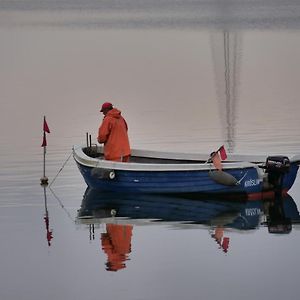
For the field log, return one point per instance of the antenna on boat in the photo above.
(44, 179)
(89, 142)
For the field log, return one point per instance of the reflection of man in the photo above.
(116, 243)
(113, 133)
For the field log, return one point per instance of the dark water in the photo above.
(188, 76)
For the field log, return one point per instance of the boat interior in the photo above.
(95, 152)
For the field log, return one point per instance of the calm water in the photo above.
(188, 76)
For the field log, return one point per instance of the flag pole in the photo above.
(44, 168)
(44, 179)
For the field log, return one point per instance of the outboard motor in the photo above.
(276, 167)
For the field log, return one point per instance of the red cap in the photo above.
(106, 105)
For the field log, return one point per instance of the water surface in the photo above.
(188, 76)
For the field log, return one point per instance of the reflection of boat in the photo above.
(119, 212)
(160, 172)
(108, 207)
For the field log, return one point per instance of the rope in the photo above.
(61, 204)
(60, 169)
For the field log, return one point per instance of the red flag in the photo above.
(223, 153)
(46, 128)
(44, 144)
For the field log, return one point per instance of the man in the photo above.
(113, 134)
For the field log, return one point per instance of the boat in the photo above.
(158, 172)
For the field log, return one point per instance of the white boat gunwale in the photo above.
(231, 163)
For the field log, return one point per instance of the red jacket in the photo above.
(113, 133)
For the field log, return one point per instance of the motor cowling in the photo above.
(276, 167)
(277, 164)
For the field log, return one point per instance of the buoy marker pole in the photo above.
(44, 179)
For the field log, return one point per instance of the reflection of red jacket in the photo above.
(113, 133)
(116, 243)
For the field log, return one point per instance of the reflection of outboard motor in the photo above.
(277, 221)
(276, 167)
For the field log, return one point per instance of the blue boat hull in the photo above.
(171, 182)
